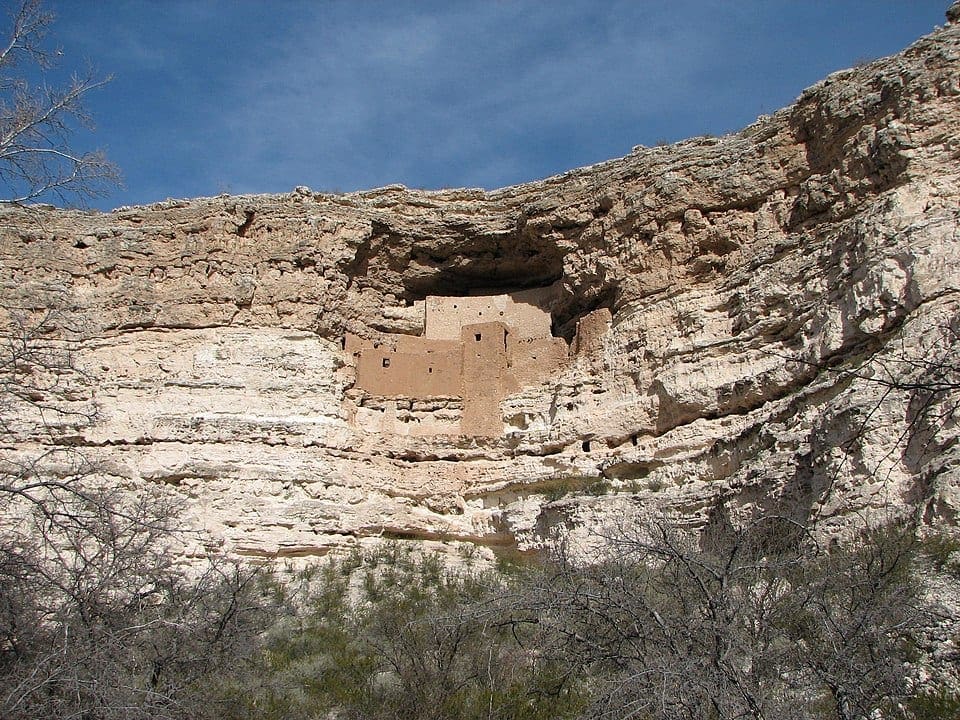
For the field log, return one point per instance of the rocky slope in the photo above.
(784, 310)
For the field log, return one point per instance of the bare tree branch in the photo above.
(37, 122)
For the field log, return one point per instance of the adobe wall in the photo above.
(399, 416)
(447, 316)
(414, 368)
(484, 348)
(529, 360)
(475, 349)
(591, 330)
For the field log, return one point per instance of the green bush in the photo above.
(396, 634)
(943, 551)
(937, 704)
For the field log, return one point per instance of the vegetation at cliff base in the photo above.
(763, 623)
(394, 633)
(754, 618)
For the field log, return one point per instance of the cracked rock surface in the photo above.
(784, 321)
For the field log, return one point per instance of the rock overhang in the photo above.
(743, 273)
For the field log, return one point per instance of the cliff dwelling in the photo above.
(472, 352)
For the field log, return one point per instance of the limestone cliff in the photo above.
(767, 319)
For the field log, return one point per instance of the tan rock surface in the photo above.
(748, 306)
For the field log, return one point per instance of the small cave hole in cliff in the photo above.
(249, 217)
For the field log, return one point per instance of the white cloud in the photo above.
(426, 89)
(345, 94)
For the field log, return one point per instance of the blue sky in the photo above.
(248, 97)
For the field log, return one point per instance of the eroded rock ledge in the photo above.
(747, 309)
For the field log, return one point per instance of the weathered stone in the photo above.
(740, 313)
(953, 13)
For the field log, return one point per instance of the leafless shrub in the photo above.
(97, 620)
(761, 622)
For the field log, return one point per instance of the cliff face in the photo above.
(768, 319)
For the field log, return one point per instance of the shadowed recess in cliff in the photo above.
(457, 259)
